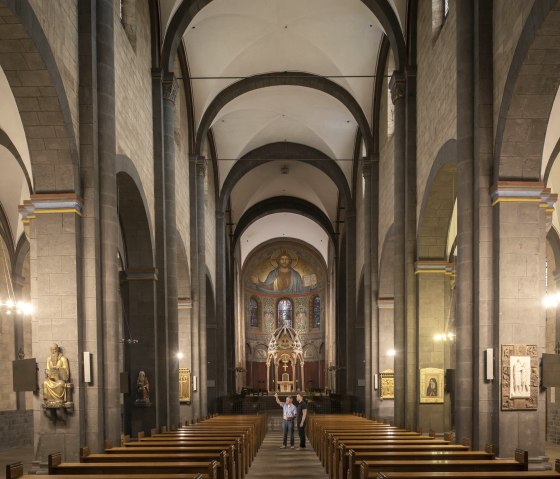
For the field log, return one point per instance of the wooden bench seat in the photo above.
(225, 470)
(56, 466)
(468, 475)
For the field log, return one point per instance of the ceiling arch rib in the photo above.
(285, 225)
(283, 151)
(268, 80)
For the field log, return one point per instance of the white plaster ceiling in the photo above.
(308, 183)
(13, 190)
(551, 138)
(10, 122)
(284, 225)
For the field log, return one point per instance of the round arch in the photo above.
(437, 204)
(188, 9)
(51, 172)
(284, 151)
(283, 204)
(266, 80)
(529, 94)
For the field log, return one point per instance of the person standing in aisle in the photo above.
(289, 416)
(301, 419)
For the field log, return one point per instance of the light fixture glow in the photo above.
(391, 352)
(180, 355)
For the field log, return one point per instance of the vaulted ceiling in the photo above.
(227, 41)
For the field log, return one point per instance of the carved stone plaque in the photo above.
(520, 377)
(387, 390)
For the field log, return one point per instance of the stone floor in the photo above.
(17, 454)
(272, 462)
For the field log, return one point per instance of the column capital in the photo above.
(397, 85)
(200, 164)
(184, 303)
(523, 192)
(434, 266)
(170, 87)
(385, 303)
(50, 203)
(147, 274)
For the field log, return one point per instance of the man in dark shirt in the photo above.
(301, 419)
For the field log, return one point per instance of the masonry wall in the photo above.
(360, 231)
(59, 21)
(210, 223)
(133, 97)
(509, 19)
(386, 164)
(436, 91)
(16, 429)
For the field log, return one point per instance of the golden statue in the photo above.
(57, 376)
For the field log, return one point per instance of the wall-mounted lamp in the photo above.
(180, 355)
(444, 337)
(391, 352)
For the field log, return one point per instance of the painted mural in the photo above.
(284, 285)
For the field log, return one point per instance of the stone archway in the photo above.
(137, 287)
(37, 85)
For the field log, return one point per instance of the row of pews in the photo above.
(352, 447)
(220, 447)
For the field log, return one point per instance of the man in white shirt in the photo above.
(289, 416)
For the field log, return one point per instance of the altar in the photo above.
(285, 359)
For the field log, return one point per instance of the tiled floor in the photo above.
(272, 462)
(8, 456)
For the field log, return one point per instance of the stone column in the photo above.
(224, 340)
(366, 172)
(53, 225)
(108, 216)
(170, 89)
(465, 151)
(375, 341)
(397, 87)
(184, 315)
(522, 212)
(433, 290)
(385, 331)
(201, 261)
(350, 228)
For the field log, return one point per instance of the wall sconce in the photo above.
(391, 353)
(444, 337)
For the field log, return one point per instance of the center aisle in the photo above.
(272, 462)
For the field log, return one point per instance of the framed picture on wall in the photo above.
(387, 389)
(185, 385)
(431, 385)
(520, 377)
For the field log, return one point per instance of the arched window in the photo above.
(317, 312)
(285, 309)
(254, 313)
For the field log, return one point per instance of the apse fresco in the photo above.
(284, 285)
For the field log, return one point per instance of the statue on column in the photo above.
(56, 385)
(142, 390)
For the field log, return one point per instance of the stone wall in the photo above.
(360, 240)
(386, 166)
(436, 91)
(133, 97)
(59, 21)
(509, 19)
(210, 223)
(16, 429)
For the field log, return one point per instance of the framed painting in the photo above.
(387, 389)
(185, 385)
(432, 385)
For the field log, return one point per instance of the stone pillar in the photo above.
(411, 319)
(522, 212)
(374, 275)
(201, 261)
(397, 87)
(184, 316)
(224, 341)
(170, 89)
(465, 198)
(366, 172)
(433, 295)
(53, 225)
(108, 216)
(350, 227)
(385, 332)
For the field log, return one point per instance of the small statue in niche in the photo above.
(56, 385)
(142, 390)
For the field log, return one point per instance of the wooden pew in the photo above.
(341, 458)
(371, 469)
(15, 471)
(354, 460)
(234, 469)
(56, 466)
(224, 472)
